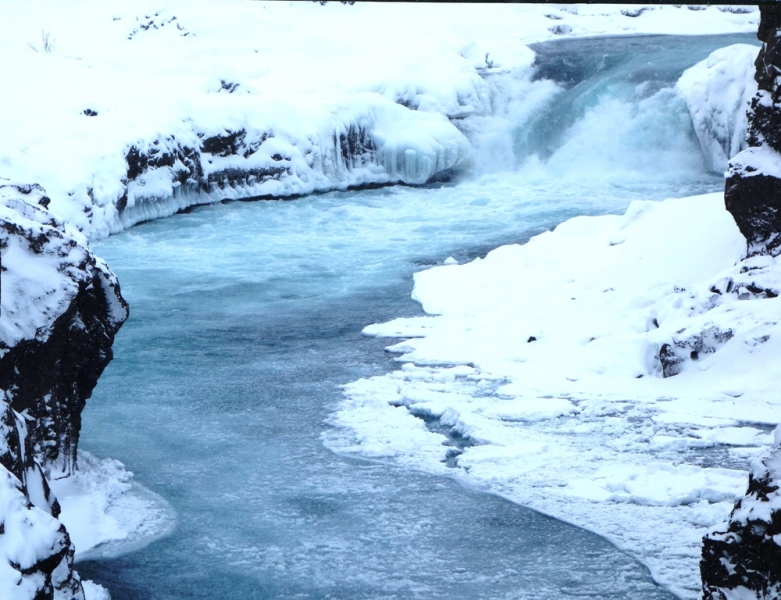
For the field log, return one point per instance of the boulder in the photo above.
(741, 558)
(753, 189)
(61, 307)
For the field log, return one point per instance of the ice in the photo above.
(718, 91)
(106, 512)
(93, 591)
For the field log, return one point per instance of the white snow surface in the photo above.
(106, 513)
(167, 75)
(718, 91)
(545, 358)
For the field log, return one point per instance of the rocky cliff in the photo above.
(741, 558)
(753, 188)
(61, 307)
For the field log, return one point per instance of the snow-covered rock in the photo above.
(717, 91)
(753, 187)
(36, 553)
(741, 557)
(60, 309)
(366, 139)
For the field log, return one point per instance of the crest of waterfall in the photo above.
(617, 109)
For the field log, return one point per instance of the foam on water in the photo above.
(617, 113)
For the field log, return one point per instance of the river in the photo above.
(246, 318)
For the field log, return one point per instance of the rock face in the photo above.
(753, 189)
(61, 307)
(376, 142)
(741, 558)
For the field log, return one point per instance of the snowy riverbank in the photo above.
(133, 111)
(116, 134)
(542, 374)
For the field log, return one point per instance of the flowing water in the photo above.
(246, 318)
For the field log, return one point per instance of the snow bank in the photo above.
(718, 91)
(107, 513)
(134, 110)
(617, 372)
(280, 149)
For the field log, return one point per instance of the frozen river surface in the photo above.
(246, 319)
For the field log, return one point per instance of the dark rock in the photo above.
(228, 86)
(742, 556)
(753, 189)
(356, 142)
(672, 356)
(56, 330)
(50, 374)
(225, 144)
(670, 361)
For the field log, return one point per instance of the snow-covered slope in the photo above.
(617, 373)
(133, 110)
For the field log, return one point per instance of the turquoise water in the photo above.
(246, 319)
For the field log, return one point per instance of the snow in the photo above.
(106, 512)
(718, 91)
(302, 72)
(545, 357)
(167, 77)
(93, 591)
(757, 160)
(38, 284)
